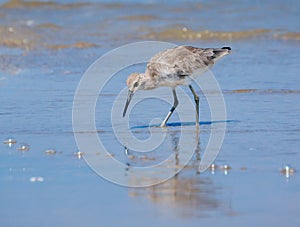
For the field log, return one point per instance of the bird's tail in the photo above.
(226, 48)
(220, 52)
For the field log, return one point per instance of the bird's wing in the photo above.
(184, 60)
(180, 60)
(207, 56)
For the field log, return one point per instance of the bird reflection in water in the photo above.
(187, 194)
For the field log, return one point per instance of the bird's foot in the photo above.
(163, 125)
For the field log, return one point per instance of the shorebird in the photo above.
(173, 67)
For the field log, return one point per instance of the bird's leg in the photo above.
(196, 98)
(163, 124)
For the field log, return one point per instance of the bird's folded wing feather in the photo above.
(181, 60)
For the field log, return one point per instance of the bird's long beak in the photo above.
(130, 94)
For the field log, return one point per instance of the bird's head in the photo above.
(133, 82)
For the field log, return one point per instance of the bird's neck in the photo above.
(147, 82)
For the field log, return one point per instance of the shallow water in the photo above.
(45, 49)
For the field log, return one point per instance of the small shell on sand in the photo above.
(225, 167)
(50, 152)
(79, 154)
(24, 147)
(287, 171)
(131, 156)
(109, 155)
(36, 179)
(213, 166)
(9, 141)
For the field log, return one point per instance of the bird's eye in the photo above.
(136, 84)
